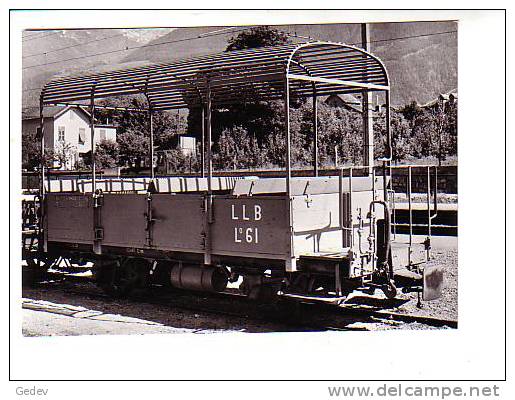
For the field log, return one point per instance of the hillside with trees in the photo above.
(251, 135)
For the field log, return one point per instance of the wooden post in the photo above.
(388, 126)
(368, 123)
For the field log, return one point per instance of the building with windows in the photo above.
(67, 132)
(353, 103)
(443, 101)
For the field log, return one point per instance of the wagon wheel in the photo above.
(121, 277)
(36, 268)
(390, 290)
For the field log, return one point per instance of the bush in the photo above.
(236, 149)
(175, 161)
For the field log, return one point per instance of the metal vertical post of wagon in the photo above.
(290, 263)
(203, 143)
(151, 129)
(428, 202)
(410, 209)
(209, 200)
(209, 139)
(98, 232)
(315, 130)
(42, 244)
(92, 130)
(388, 158)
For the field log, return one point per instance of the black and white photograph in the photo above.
(212, 180)
(275, 166)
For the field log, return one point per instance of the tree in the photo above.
(439, 122)
(434, 133)
(259, 120)
(167, 125)
(107, 154)
(63, 154)
(133, 128)
(400, 136)
(175, 160)
(452, 128)
(423, 138)
(133, 147)
(342, 129)
(258, 36)
(30, 151)
(236, 149)
(411, 111)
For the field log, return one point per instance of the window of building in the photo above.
(82, 135)
(102, 134)
(60, 133)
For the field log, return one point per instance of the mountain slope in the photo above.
(44, 53)
(420, 66)
(421, 62)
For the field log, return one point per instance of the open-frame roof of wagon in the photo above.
(280, 72)
(258, 73)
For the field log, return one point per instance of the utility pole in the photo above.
(366, 104)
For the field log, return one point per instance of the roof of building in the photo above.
(49, 111)
(346, 100)
(233, 77)
(440, 97)
(57, 111)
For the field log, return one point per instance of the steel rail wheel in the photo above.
(36, 268)
(120, 277)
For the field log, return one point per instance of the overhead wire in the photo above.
(216, 34)
(406, 37)
(132, 48)
(113, 36)
(73, 45)
(32, 37)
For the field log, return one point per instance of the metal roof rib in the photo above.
(330, 67)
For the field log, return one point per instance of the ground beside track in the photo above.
(40, 323)
(121, 316)
(49, 311)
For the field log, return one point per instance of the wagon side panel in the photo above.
(123, 219)
(69, 218)
(179, 222)
(316, 223)
(251, 227)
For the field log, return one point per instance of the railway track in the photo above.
(291, 316)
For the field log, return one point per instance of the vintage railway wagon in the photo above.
(310, 238)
